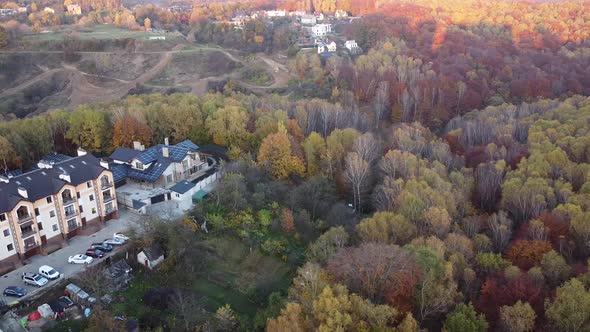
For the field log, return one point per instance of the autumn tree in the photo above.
(89, 129)
(8, 156)
(147, 23)
(555, 268)
(519, 317)
(328, 244)
(128, 129)
(526, 254)
(357, 173)
(287, 221)
(227, 125)
(314, 148)
(275, 155)
(465, 319)
(386, 227)
(570, 311)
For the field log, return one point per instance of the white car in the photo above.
(120, 236)
(48, 272)
(80, 259)
(34, 279)
(114, 241)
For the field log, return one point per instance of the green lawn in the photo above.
(99, 32)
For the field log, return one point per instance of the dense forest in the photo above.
(438, 181)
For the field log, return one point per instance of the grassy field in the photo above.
(99, 32)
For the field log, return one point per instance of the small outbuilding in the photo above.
(150, 257)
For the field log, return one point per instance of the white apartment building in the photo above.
(276, 13)
(53, 202)
(321, 30)
(308, 20)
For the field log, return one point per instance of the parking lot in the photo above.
(59, 259)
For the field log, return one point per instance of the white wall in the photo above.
(6, 240)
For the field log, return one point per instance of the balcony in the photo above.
(106, 184)
(107, 198)
(23, 218)
(27, 233)
(30, 244)
(68, 200)
(70, 213)
(108, 210)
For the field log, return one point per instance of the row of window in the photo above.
(10, 247)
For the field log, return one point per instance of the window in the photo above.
(36, 212)
(40, 226)
(6, 232)
(91, 198)
(93, 210)
(3, 217)
(89, 184)
(10, 247)
(78, 195)
(138, 165)
(169, 178)
(185, 165)
(49, 199)
(177, 195)
(51, 213)
(54, 227)
(81, 209)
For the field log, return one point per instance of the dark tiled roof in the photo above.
(182, 187)
(44, 182)
(152, 173)
(125, 154)
(118, 269)
(55, 158)
(153, 252)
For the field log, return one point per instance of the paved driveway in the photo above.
(59, 259)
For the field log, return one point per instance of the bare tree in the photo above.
(94, 280)
(500, 227)
(367, 147)
(381, 102)
(488, 186)
(357, 172)
(187, 309)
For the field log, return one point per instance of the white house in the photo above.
(352, 46)
(276, 13)
(340, 14)
(322, 47)
(49, 10)
(319, 16)
(331, 45)
(150, 257)
(308, 20)
(321, 30)
(297, 13)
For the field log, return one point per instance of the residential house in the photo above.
(331, 46)
(340, 14)
(297, 13)
(352, 46)
(308, 20)
(150, 257)
(74, 10)
(240, 20)
(49, 10)
(321, 30)
(322, 47)
(52, 202)
(276, 13)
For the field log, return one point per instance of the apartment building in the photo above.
(53, 202)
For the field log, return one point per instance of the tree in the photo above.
(128, 129)
(290, 320)
(570, 311)
(555, 268)
(328, 244)
(381, 102)
(332, 311)
(314, 148)
(226, 319)
(386, 227)
(357, 173)
(519, 317)
(8, 156)
(379, 272)
(275, 155)
(465, 319)
(307, 286)
(438, 221)
(89, 129)
(102, 320)
(3, 37)
(147, 23)
(227, 125)
(287, 221)
(526, 254)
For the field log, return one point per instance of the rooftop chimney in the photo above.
(166, 141)
(137, 146)
(165, 152)
(5, 179)
(104, 163)
(81, 152)
(23, 192)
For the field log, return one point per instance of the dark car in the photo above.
(96, 253)
(15, 291)
(65, 302)
(102, 247)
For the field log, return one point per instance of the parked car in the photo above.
(102, 247)
(114, 241)
(120, 236)
(14, 291)
(96, 253)
(34, 279)
(48, 272)
(80, 259)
